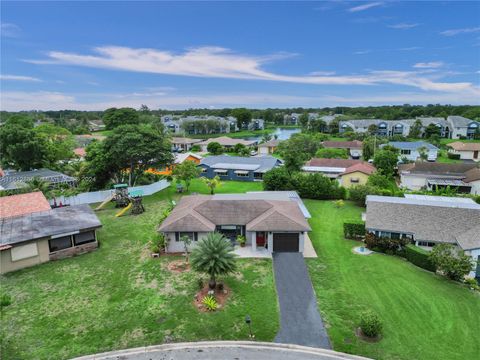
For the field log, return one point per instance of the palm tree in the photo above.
(38, 184)
(213, 256)
(212, 183)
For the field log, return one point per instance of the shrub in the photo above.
(215, 148)
(384, 244)
(277, 179)
(5, 300)
(419, 257)
(353, 230)
(317, 186)
(158, 243)
(359, 193)
(472, 284)
(453, 156)
(210, 303)
(454, 264)
(370, 324)
(196, 148)
(339, 203)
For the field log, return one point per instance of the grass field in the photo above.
(119, 297)
(425, 316)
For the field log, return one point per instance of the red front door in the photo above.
(260, 239)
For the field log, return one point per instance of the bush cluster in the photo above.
(453, 156)
(353, 230)
(370, 324)
(419, 257)
(385, 244)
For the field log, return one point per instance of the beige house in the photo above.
(226, 142)
(269, 147)
(32, 233)
(467, 151)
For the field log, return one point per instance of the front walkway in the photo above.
(300, 321)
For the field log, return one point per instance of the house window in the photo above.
(192, 235)
(395, 236)
(258, 175)
(405, 152)
(84, 238)
(204, 170)
(354, 180)
(221, 172)
(60, 243)
(242, 173)
(426, 243)
(24, 251)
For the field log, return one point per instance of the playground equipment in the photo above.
(134, 199)
(105, 202)
(121, 195)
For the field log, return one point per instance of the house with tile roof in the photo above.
(427, 221)
(32, 233)
(466, 151)
(275, 221)
(464, 178)
(237, 167)
(347, 172)
(183, 143)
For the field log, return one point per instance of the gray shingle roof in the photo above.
(263, 163)
(47, 223)
(431, 168)
(436, 221)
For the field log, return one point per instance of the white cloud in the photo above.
(403, 26)
(322, 73)
(9, 30)
(429, 65)
(19, 78)
(215, 62)
(454, 32)
(365, 6)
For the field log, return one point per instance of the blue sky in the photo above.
(94, 55)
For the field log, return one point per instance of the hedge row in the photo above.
(453, 156)
(353, 230)
(419, 257)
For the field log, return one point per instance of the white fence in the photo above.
(99, 196)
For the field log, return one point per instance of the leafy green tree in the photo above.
(317, 125)
(332, 153)
(239, 147)
(25, 121)
(379, 181)
(385, 161)
(213, 256)
(186, 172)
(99, 166)
(415, 130)
(423, 153)
(303, 121)
(135, 148)
(277, 179)
(58, 143)
(243, 115)
(114, 117)
(453, 263)
(359, 193)
(268, 116)
(432, 130)
(38, 184)
(372, 129)
(212, 183)
(266, 137)
(215, 148)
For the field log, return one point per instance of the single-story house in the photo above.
(465, 178)
(237, 167)
(80, 153)
(467, 151)
(179, 159)
(412, 150)
(32, 233)
(13, 180)
(274, 221)
(347, 172)
(96, 125)
(226, 142)
(427, 221)
(183, 144)
(269, 147)
(354, 148)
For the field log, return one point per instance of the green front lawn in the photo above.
(425, 316)
(119, 297)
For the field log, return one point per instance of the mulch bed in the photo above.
(178, 266)
(221, 296)
(359, 333)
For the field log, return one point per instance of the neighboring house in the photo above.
(237, 167)
(183, 144)
(427, 221)
(207, 124)
(179, 159)
(14, 180)
(347, 172)
(31, 233)
(467, 151)
(354, 148)
(269, 147)
(274, 220)
(291, 119)
(464, 178)
(463, 127)
(256, 124)
(96, 125)
(84, 140)
(226, 142)
(412, 150)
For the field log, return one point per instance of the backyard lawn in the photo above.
(425, 316)
(119, 297)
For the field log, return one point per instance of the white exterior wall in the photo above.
(263, 150)
(413, 182)
(475, 254)
(475, 187)
(178, 246)
(458, 131)
(415, 155)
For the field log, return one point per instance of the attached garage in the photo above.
(285, 242)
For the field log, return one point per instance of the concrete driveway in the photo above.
(300, 321)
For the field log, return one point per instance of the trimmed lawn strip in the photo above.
(425, 316)
(119, 297)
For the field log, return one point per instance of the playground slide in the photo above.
(124, 210)
(105, 202)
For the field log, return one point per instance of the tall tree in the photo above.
(385, 161)
(416, 130)
(186, 172)
(114, 117)
(243, 115)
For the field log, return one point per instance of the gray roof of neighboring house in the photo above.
(460, 121)
(431, 168)
(270, 143)
(17, 179)
(429, 220)
(227, 141)
(47, 223)
(202, 213)
(414, 145)
(261, 163)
